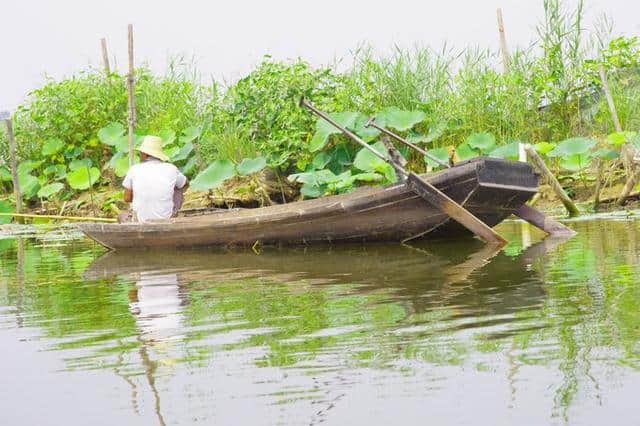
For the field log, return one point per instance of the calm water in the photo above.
(541, 332)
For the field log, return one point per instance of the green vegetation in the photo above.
(71, 133)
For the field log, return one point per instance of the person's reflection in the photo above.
(157, 308)
(156, 305)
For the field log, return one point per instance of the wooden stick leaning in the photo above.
(372, 123)
(105, 57)
(131, 94)
(14, 165)
(538, 162)
(423, 188)
(506, 61)
(628, 152)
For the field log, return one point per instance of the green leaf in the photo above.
(52, 147)
(28, 166)
(367, 161)
(49, 190)
(465, 152)
(190, 134)
(324, 129)
(441, 154)
(184, 152)
(111, 133)
(510, 151)
(544, 147)
(167, 136)
(29, 185)
(83, 177)
(77, 164)
(572, 146)
(60, 170)
(316, 177)
(366, 133)
(607, 154)
(367, 177)
(190, 167)
(5, 175)
(251, 165)
(483, 142)
(620, 138)
(6, 207)
(312, 191)
(401, 120)
(321, 160)
(576, 162)
(214, 175)
(120, 164)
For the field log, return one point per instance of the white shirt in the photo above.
(153, 183)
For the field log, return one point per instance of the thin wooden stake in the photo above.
(506, 61)
(132, 100)
(607, 93)
(538, 162)
(628, 150)
(105, 57)
(14, 165)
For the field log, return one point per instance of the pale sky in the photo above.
(227, 38)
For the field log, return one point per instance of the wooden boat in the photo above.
(490, 188)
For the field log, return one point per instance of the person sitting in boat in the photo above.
(154, 187)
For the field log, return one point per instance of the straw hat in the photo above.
(152, 145)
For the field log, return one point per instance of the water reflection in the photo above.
(310, 328)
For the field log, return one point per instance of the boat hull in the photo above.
(491, 189)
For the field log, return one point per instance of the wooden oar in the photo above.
(423, 188)
(74, 218)
(372, 123)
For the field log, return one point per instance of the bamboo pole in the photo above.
(506, 61)
(132, 100)
(538, 162)
(105, 56)
(14, 165)
(76, 218)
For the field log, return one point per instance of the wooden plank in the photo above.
(543, 222)
(454, 210)
(538, 162)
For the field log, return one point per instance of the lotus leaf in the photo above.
(324, 129)
(576, 162)
(441, 154)
(111, 134)
(481, 141)
(83, 177)
(184, 152)
(190, 134)
(52, 147)
(367, 161)
(607, 154)
(544, 147)
(510, 151)
(49, 190)
(5, 207)
(572, 146)
(465, 152)
(5, 175)
(401, 120)
(251, 165)
(214, 175)
(620, 138)
(77, 164)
